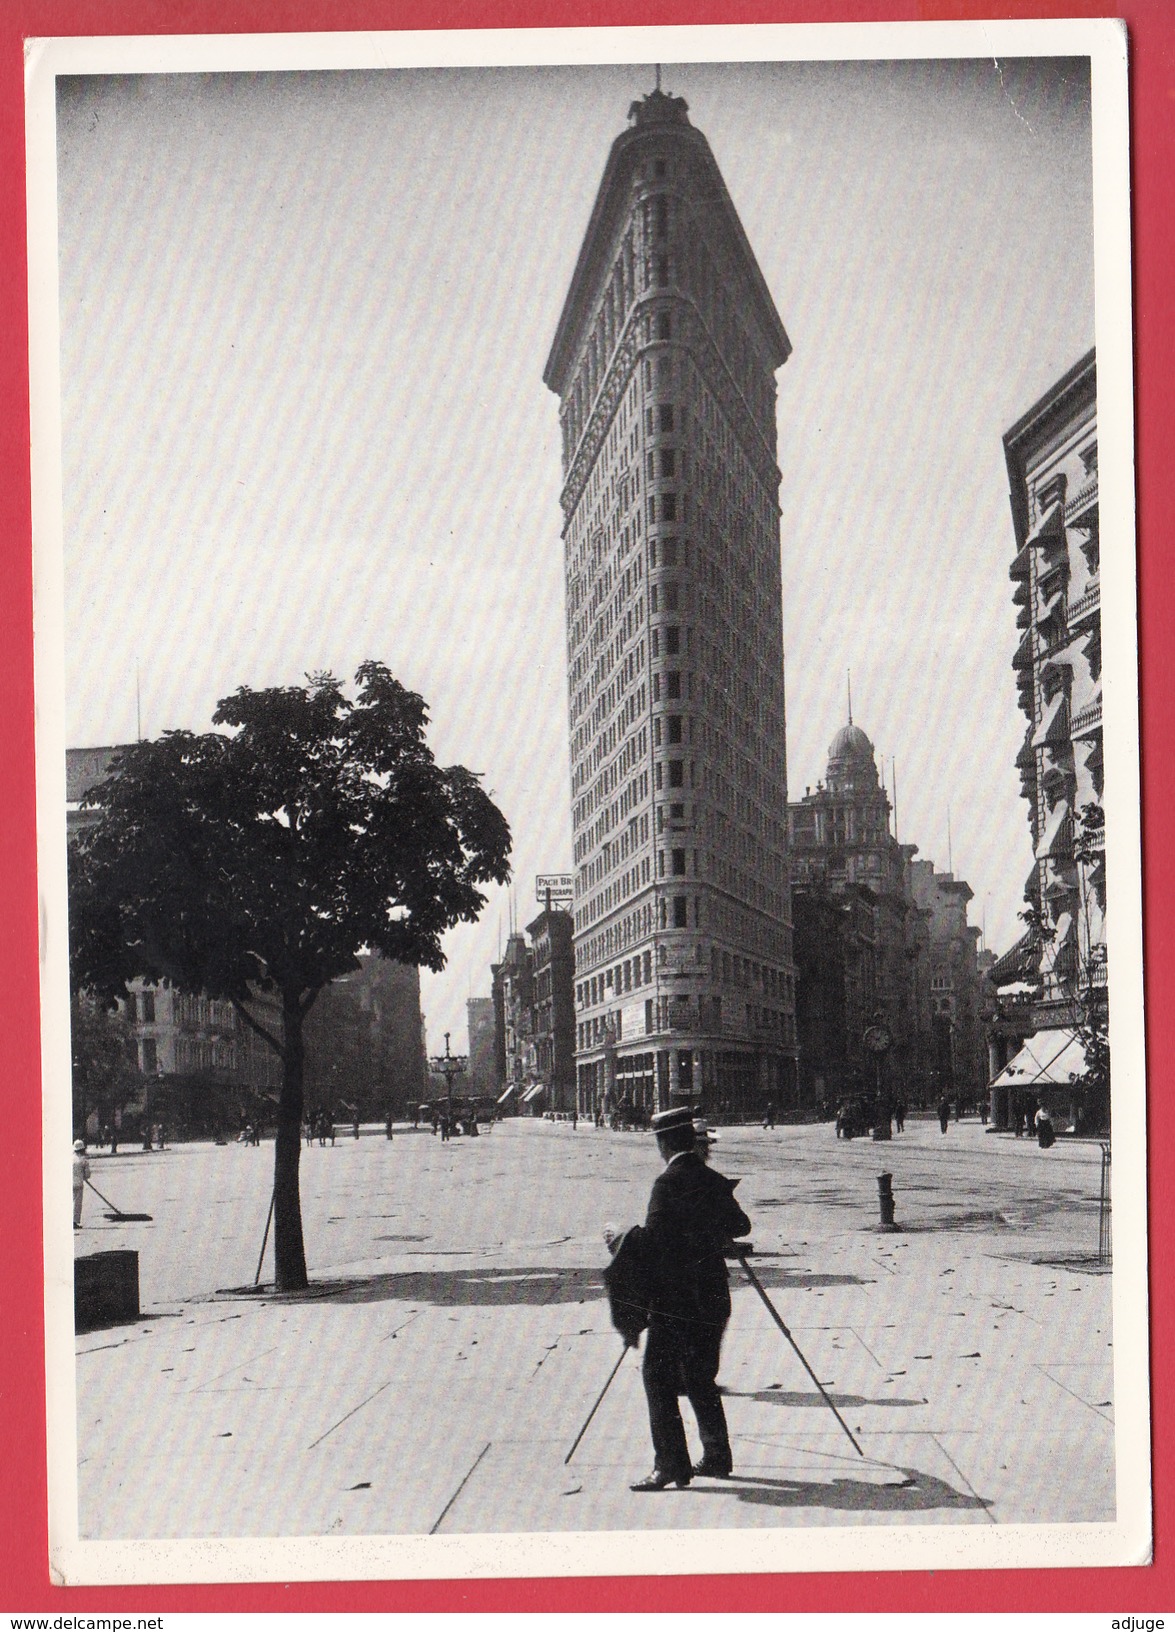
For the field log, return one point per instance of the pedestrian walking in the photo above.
(1045, 1133)
(81, 1172)
(574, 1118)
(899, 1115)
(944, 1113)
(445, 1131)
(769, 1115)
(692, 1215)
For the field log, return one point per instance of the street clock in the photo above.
(877, 1039)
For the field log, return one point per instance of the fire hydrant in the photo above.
(885, 1200)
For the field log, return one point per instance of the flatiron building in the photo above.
(664, 364)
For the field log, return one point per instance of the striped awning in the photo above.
(1051, 1057)
(533, 1093)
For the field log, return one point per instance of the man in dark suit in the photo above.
(692, 1215)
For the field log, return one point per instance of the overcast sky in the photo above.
(304, 322)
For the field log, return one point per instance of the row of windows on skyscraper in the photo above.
(664, 366)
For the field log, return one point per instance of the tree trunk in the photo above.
(289, 1253)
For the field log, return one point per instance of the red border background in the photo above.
(24, 1575)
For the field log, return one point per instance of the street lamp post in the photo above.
(449, 1066)
(879, 1041)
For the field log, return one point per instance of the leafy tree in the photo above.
(261, 858)
(105, 1072)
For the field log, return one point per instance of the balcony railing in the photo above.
(1082, 497)
(1085, 605)
(1086, 717)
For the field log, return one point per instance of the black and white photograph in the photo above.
(588, 802)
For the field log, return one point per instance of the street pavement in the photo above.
(456, 1334)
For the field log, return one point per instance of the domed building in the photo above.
(861, 944)
(878, 933)
(840, 834)
(851, 761)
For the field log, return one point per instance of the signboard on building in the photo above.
(561, 887)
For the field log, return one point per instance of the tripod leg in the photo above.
(264, 1239)
(775, 1315)
(595, 1407)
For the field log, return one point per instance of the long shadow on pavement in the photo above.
(779, 1396)
(448, 1288)
(917, 1493)
(538, 1284)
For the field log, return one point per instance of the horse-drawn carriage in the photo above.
(856, 1116)
(467, 1116)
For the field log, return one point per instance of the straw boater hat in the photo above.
(79, 1144)
(665, 1121)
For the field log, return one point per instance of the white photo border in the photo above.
(1127, 1541)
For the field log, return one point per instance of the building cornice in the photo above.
(1057, 409)
(613, 201)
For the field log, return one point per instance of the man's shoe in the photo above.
(707, 1469)
(658, 1481)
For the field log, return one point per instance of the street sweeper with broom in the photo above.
(81, 1172)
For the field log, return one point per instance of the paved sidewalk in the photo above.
(435, 1377)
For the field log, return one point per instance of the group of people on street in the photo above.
(320, 1125)
(855, 1117)
(151, 1136)
(463, 1120)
